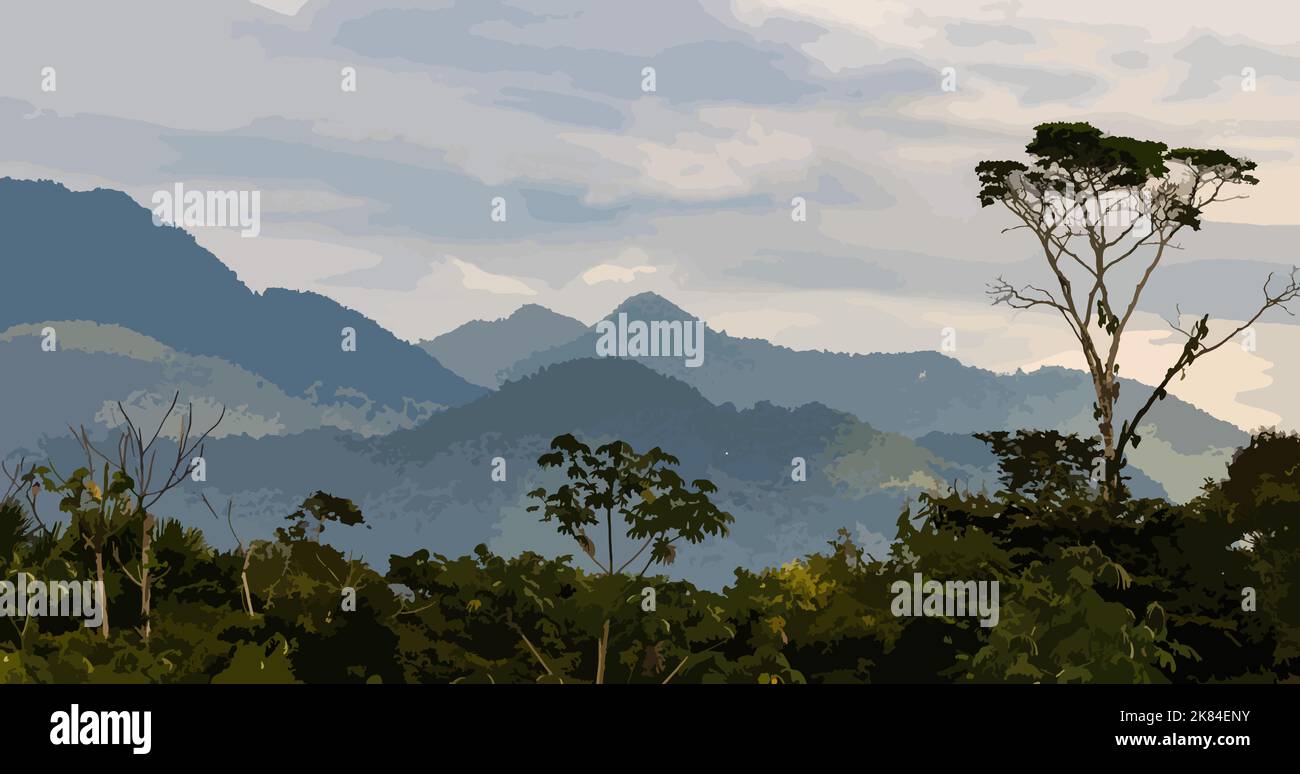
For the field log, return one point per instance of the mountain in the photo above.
(98, 256)
(480, 349)
(916, 393)
(431, 485)
(98, 365)
(141, 312)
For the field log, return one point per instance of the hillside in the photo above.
(432, 485)
(480, 349)
(98, 365)
(915, 393)
(97, 256)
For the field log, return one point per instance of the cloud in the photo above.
(474, 278)
(1215, 65)
(563, 108)
(286, 7)
(609, 273)
(761, 323)
(757, 101)
(1038, 86)
(260, 263)
(967, 34)
(1131, 60)
(712, 63)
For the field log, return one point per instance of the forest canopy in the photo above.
(1149, 592)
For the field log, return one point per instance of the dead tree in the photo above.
(137, 459)
(246, 596)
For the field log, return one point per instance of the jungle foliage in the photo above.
(1146, 592)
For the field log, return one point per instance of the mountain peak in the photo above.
(530, 312)
(289, 337)
(479, 349)
(650, 306)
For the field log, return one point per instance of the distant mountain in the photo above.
(97, 256)
(97, 365)
(917, 393)
(610, 397)
(431, 485)
(141, 311)
(480, 349)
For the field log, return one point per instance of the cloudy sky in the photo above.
(382, 197)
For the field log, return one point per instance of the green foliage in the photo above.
(1041, 465)
(1258, 507)
(1077, 159)
(657, 507)
(98, 510)
(315, 512)
(16, 528)
(1082, 150)
(1149, 592)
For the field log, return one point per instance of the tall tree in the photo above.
(614, 483)
(1093, 202)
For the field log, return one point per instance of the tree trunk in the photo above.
(609, 531)
(602, 651)
(146, 541)
(1106, 389)
(103, 593)
(243, 579)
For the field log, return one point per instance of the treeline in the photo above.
(1089, 589)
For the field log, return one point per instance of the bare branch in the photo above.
(230, 505)
(1195, 348)
(138, 457)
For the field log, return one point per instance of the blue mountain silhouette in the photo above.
(480, 349)
(431, 484)
(907, 392)
(98, 256)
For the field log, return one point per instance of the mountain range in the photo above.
(98, 256)
(410, 432)
(920, 394)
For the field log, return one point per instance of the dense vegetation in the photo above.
(1134, 591)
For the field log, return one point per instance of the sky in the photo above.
(382, 197)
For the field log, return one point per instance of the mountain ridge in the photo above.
(480, 349)
(117, 267)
